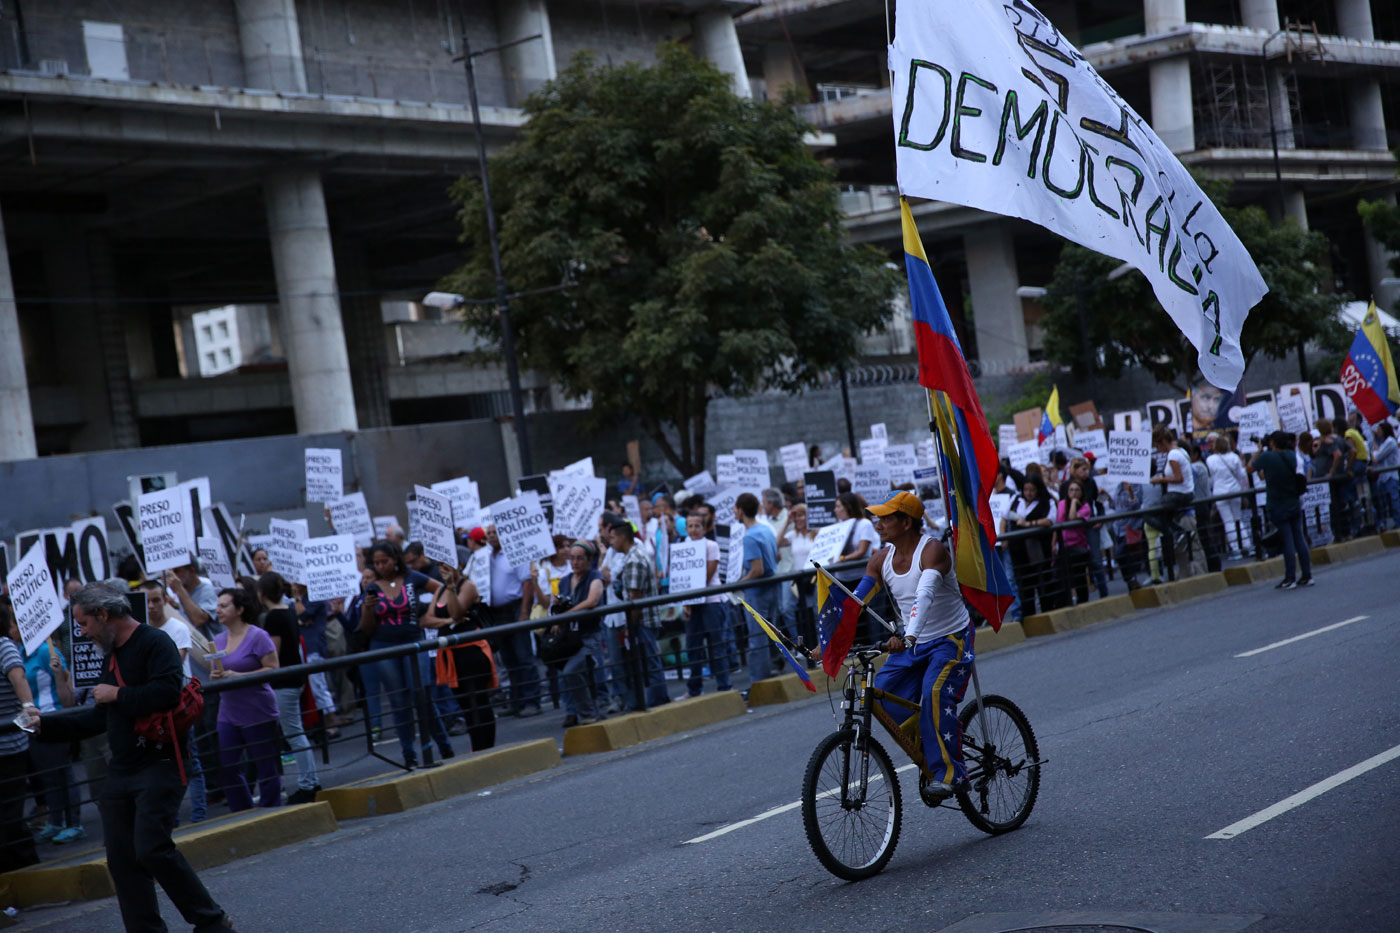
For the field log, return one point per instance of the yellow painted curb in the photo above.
(1168, 594)
(395, 794)
(1347, 550)
(785, 689)
(1390, 538)
(1072, 617)
(985, 640)
(670, 719)
(203, 847)
(1257, 572)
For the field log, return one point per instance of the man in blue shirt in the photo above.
(761, 561)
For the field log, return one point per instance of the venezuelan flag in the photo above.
(969, 456)
(837, 618)
(782, 646)
(1368, 373)
(1050, 417)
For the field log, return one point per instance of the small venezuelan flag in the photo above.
(837, 618)
(782, 646)
(1368, 373)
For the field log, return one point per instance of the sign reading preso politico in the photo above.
(284, 548)
(687, 570)
(35, 598)
(1129, 458)
(523, 528)
(331, 571)
(430, 518)
(350, 516)
(166, 520)
(994, 109)
(578, 504)
(324, 480)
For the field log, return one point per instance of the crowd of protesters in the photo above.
(1064, 536)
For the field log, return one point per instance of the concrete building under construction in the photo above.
(218, 217)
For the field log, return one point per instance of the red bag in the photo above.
(166, 727)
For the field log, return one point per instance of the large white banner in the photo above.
(994, 109)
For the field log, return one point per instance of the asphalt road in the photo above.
(1158, 736)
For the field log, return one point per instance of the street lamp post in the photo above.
(517, 401)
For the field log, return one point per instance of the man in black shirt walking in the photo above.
(143, 790)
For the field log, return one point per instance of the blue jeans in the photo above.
(617, 672)
(1295, 543)
(651, 664)
(934, 675)
(764, 600)
(519, 657)
(198, 787)
(289, 716)
(576, 679)
(1388, 500)
(1013, 613)
(1096, 570)
(705, 642)
(396, 678)
(787, 610)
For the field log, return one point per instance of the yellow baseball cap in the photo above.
(899, 501)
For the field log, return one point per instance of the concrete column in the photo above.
(1354, 19)
(996, 309)
(16, 417)
(1378, 260)
(312, 333)
(1173, 118)
(1259, 14)
(1367, 115)
(529, 64)
(782, 70)
(717, 40)
(1163, 15)
(1295, 206)
(271, 42)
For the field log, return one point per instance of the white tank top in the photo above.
(949, 613)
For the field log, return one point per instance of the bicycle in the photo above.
(852, 817)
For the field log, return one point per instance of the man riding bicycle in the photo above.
(931, 662)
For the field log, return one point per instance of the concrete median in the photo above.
(1347, 550)
(1179, 591)
(399, 791)
(670, 719)
(204, 845)
(1058, 621)
(1257, 572)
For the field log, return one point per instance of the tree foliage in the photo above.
(1129, 329)
(1383, 220)
(703, 239)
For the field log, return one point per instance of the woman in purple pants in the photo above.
(247, 715)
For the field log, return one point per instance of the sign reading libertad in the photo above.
(994, 109)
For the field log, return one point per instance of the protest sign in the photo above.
(632, 508)
(465, 497)
(1163, 412)
(166, 528)
(324, 479)
(879, 433)
(794, 457)
(841, 465)
(820, 486)
(285, 548)
(726, 470)
(578, 505)
(737, 567)
(751, 470)
(350, 516)
(902, 462)
(687, 569)
(1304, 391)
(1317, 509)
(1292, 413)
(430, 515)
(523, 528)
(539, 485)
(85, 657)
(331, 571)
(872, 451)
(1022, 453)
(927, 452)
(77, 552)
(479, 572)
(1006, 436)
(872, 482)
(1256, 423)
(1085, 417)
(215, 563)
(382, 524)
(723, 502)
(722, 539)
(262, 543)
(928, 486)
(1331, 402)
(999, 503)
(582, 467)
(1129, 458)
(1127, 421)
(829, 543)
(35, 599)
(1092, 441)
(701, 484)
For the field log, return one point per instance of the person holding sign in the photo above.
(457, 608)
(142, 793)
(705, 621)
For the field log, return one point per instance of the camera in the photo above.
(561, 605)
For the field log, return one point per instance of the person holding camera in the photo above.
(581, 641)
(1283, 489)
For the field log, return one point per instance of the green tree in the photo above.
(704, 240)
(1383, 220)
(1128, 328)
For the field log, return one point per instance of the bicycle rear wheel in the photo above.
(852, 834)
(1003, 765)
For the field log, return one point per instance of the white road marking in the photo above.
(766, 814)
(1289, 641)
(1303, 796)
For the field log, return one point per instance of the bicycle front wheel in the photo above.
(851, 805)
(1003, 765)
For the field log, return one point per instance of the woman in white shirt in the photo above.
(798, 537)
(860, 540)
(1227, 475)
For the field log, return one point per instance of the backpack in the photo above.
(166, 727)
